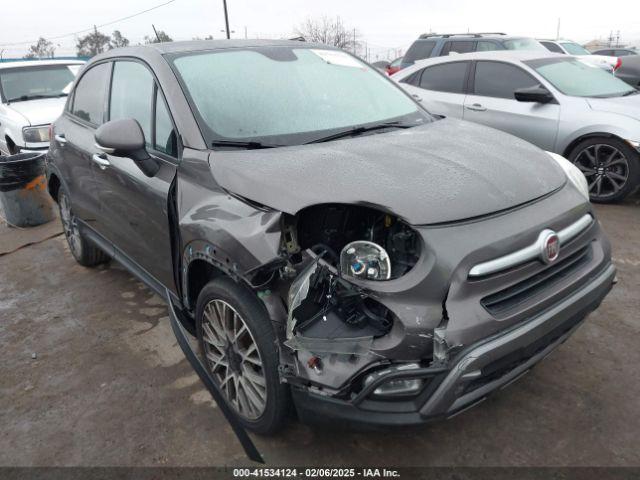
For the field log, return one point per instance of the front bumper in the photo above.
(474, 373)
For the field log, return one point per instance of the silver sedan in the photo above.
(557, 102)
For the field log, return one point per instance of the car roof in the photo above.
(203, 45)
(37, 63)
(556, 40)
(508, 55)
(469, 36)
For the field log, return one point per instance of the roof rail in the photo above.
(447, 35)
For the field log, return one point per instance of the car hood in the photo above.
(444, 171)
(628, 106)
(39, 111)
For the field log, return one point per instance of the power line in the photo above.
(92, 28)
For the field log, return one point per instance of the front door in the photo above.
(491, 102)
(134, 207)
(73, 140)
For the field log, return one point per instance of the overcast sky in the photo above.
(383, 24)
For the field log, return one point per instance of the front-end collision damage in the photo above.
(335, 297)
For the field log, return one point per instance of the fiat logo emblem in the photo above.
(550, 247)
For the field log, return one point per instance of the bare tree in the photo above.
(330, 31)
(42, 49)
(93, 43)
(117, 40)
(160, 37)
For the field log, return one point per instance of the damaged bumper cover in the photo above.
(472, 375)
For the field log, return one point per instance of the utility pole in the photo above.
(558, 30)
(226, 19)
(156, 32)
(245, 32)
(354, 41)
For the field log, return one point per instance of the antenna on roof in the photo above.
(156, 32)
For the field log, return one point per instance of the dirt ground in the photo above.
(91, 375)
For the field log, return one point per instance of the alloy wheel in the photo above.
(606, 169)
(70, 227)
(234, 359)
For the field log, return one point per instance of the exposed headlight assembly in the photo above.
(365, 260)
(36, 134)
(573, 173)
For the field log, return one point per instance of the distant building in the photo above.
(597, 44)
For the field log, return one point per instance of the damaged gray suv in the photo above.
(330, 243)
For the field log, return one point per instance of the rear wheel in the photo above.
(611, 167)
(85, 252)
(238, 344)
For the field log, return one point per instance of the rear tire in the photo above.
(241, 355)
(611, 166)
(83, 250)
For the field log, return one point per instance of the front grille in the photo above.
(513, 296)
(501, 367)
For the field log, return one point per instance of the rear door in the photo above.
(440, 88)
(72, 145)
(134, 207)
(491, 102)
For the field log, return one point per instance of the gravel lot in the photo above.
(109, 385)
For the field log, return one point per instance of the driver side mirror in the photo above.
(125, 138)
(537, 94)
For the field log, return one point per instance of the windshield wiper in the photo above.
(241, 144)
(24, 98)
(630, 92)
(352, 132)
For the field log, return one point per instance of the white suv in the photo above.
(33, 94)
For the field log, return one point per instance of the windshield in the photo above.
(524, 44)
(574, 48)
(24, 83)
(286, 96)
(579, 78)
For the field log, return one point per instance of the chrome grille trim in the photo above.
(532, 251)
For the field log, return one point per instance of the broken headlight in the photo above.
(365, 260)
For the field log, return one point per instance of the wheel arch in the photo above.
(203, 262)
(569, 148)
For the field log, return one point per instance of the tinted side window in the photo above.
(90, 93)
(132, 95)
(459, 46)
(486, 46)
(413, 79)
(494, 79)
(552, 47)
(419, 50)
(446, 77)
(165, 140)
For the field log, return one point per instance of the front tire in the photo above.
(84, 251)
(238, 344)
(611, 166)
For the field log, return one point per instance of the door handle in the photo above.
(60, 138)
(416, 97)
(101, 160)
(476, 107)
